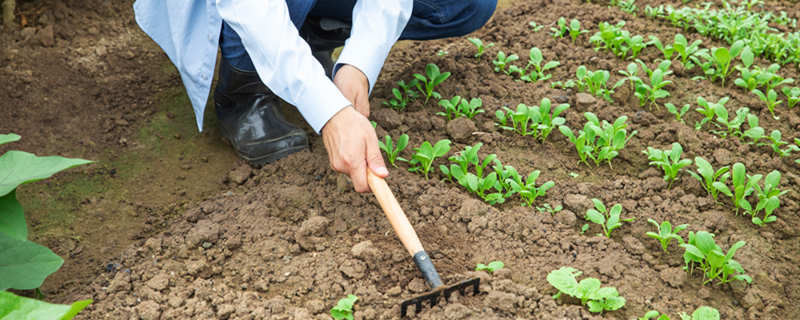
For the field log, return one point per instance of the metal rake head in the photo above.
(434, 296)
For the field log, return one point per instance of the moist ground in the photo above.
(292, 238)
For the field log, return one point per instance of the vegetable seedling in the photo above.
(669, 160)
(479, 46)
(535, 26)
(537, 121)
(702, 252)
(712, 181)
(701, 313)
(596, 82)
(502, 61)
(768, 198)
(403, 95)
(562, 28)
(491, 267)
(671, 108)
(599, 141)
(732, 125)
(535, 60)
(654, 90)
(770, 99)
(588, 290)
(743, 185)
(392, 150)
(426, 154)
(666, 233)
(344, 308)
(776, 142)
(722, 59)
(433, 79)
(792, 96)
(607, 219)
(528, 189)
(708, 109)
(575, 29)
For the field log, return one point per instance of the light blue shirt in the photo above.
(188, 32)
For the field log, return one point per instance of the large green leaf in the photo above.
(12, 218)
(18, 167)
(25, 264)
(6, 138)
(21, 308)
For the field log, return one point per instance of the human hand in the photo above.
(354, 86)
(353, 147)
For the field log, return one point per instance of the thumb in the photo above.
(375, 160)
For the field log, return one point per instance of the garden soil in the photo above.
(288, 240)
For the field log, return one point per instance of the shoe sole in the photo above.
(270, 158)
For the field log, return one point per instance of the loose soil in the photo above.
(288, 240)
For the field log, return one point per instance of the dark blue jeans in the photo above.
(430, 19)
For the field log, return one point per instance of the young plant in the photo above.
(425, 155)
(776, 143)
(768, 198)
(607, 219)
(535, 26)
(722, 60)
(743, 186)
(669, 160)
(688, 52)
(344, 308)
(631, 77)
(588, 290)
(458, 107)
(703, 253)
(712, 181)
(599, 141)
(667, 50)
(502, 61)
(528, 190)
(708, 109)
(392, 150)
(562, 28)
(770, 99)
(491, 267)
(596, 82)
(792, 96)
(569, 84)
(575, 29)
(612, 38)
(403, 95)
(671, 108)
(535, 60)
(433, 79)
(653, 91)
(537, 121)
(732, 126)
(480, 46)
(666, 233)
(701, 313)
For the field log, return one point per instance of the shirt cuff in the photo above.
(365, 56)
(319, 101)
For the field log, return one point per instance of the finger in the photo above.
(375, 159)
(358, 175)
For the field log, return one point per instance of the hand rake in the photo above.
(402, 227)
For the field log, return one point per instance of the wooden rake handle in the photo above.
(394, 213)
(402, 227)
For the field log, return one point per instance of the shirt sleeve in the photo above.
(377, 24)
(283, 59)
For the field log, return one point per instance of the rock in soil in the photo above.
(461, 128)
(584, 99)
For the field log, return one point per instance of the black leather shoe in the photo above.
(249, 118)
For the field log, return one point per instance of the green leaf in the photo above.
(6, 138)
(12, 218)
(563, 279)
(344, 308)
(594, 216)
(705, 242)
(18, 167)
(24, 264)
(21, 308)
(705, 313)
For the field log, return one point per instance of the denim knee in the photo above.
(434, 19)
